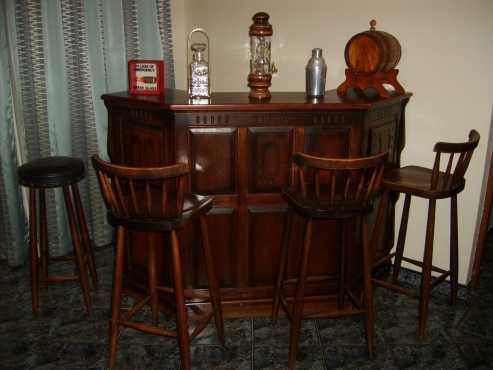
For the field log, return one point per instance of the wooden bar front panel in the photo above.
(240, 153)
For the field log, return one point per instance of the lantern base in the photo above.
(259, 86)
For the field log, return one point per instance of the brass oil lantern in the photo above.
(260, 75)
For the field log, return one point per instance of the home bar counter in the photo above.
(239, 151)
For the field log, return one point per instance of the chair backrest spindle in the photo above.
(301, 174)
(142, 192)
(453, 174)
(164, 196)
(148, 197)
(335, 182)
(135, 201)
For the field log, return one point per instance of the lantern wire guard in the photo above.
(191, 93)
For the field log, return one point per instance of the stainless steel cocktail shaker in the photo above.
(316, 70)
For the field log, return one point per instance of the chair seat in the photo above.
(51, 172)
(194, 205)
(315, 208)
(416, 181)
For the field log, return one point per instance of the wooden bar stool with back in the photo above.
(335, 189)
(154, 200)
(49, 173)
(431, 184)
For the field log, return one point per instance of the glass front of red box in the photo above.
(145, 77)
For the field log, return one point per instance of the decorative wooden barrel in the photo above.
(372, 51)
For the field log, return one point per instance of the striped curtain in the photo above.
(57, 58)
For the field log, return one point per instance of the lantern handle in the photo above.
(189, 43)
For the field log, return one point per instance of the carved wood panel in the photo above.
(212, 160)
(223, 249)
(382, 138)
(270, 151)
(142, 145)
(266, 225)
(327, 141)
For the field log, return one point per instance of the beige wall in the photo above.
(447, 62)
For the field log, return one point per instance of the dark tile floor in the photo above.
(460, 337)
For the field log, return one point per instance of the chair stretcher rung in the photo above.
(62, 258)
(439, 279)
(354, 300)
(399, 289)
(420, 264)
(148, 328)
(394, 287)
(187, 293)
(382, 260)
(136, 308)
(201, 325)
(285, 307)
(59, 279)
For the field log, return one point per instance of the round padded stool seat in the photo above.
(51, 172)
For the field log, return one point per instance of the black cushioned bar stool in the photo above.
(65, 173)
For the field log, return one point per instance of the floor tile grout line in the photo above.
(252, 350)
(320, 345)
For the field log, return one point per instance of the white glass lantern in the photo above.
(198, 68)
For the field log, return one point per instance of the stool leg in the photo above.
(454, 250)
(43, 237)
(77, 249)
(401, 239)
(152, 278)
(341, 266)
(367, 287)
(181, 309)
(213, 283)
(86, 242)
(116, 295)
(282, 265)
(378, 225)
(34, 252)
(426, 272)
(298, 301)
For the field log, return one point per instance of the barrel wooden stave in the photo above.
(372, 51)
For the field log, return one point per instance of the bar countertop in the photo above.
(177, 100)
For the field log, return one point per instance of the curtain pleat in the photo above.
(31, 56)
(68, 53)
(13, 224)
(164, 22)
(82, 117)
(131, 27)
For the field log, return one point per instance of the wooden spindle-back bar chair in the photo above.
(154, 199)
(432, 184)
(334, 189)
